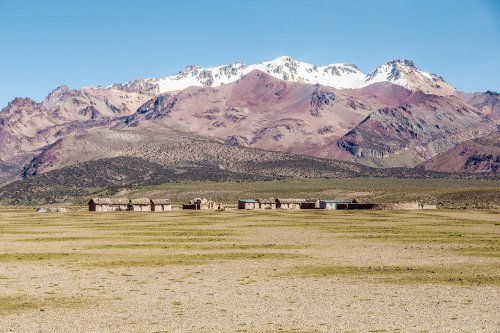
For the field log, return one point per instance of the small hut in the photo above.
(99, 204)
(119, 204)
(107, 204)
(140, 205)
(356, 205)
(289, 203)
(310, 204)
(267, 203)
(334, 204)
(248, 204)
(161, 205)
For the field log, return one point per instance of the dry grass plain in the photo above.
(242, 271)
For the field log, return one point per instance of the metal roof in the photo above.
(248, 200)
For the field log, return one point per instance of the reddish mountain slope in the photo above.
(26, 126)
(410, 134)
(486, 102)
(259, 111)
(474, 156)
(382, 124)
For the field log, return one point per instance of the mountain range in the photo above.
(396, 116)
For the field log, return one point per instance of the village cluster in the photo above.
(163, 205)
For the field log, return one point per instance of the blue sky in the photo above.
(45, 44)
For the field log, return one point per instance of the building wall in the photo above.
(162, 208)
(267, 206)
(403, 206)
(141, 208)
(324, 205)
(247, 205)
(114, 208)
(362, 206)
(327, 205)
(289, 206)
(308, 205)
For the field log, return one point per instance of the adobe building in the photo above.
(267, 203)
(248, 204)
(289, 203)
(140, 205)
(161, 205)
(108, 205)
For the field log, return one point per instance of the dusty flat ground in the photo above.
(243, 271)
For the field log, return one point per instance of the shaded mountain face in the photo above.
(473, 156)
(422, 128)
(487, 102)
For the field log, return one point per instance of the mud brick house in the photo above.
(310, 204)
(334, 204)
(161, 205)
(267, 203)
(140, 205)
(108, 205)
(289, 203)
(248, 204)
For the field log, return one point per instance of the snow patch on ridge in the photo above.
(340, 76)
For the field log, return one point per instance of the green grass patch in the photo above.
(188, 259)
(464, 275)
(15, 304)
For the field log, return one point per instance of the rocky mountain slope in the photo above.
(474, 156)
(487, 102)
(107, 162)
(423, 127)
(179, 150)
(258, 111)
(398, 115)
(261, 111)
(26, 126)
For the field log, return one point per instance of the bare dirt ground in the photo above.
(243, 271)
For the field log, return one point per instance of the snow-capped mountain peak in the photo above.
(403, 72)
(340, 76)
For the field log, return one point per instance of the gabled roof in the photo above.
(267, 201)
(248, 200)
(336, 201)
(100, 201)
(109, 201)
(140, 201)
(290, 201)
(119, 201)
(161, 201)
